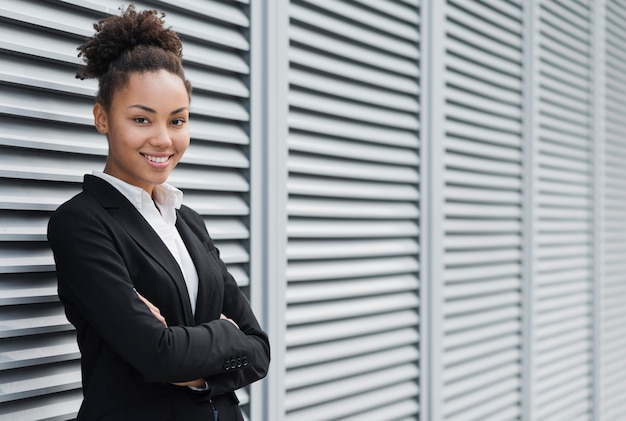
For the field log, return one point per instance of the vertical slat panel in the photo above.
(612, 367)
(353, 257)
(562, 294)
(482, 228)
(47, 143)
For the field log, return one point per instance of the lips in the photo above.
(157, 159)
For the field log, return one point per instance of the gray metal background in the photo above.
(424, 200)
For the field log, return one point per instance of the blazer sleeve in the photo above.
(97, 290)
(239, 370)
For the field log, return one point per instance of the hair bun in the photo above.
(117, 34)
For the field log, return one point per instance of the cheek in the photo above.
(182, 141)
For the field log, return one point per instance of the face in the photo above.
(146, 127)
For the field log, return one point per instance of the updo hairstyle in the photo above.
(135, 42)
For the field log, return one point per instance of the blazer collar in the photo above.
(138, 228)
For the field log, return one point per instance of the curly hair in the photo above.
(134, 42)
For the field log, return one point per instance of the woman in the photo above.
(163, 329)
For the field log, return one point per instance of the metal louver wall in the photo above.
(352, 275)
(478, 374)
(612, 296)
(561, 281)
(47, 142)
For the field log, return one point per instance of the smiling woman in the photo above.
(146, 127)
(163, 329)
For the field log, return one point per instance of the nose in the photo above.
(161, 136)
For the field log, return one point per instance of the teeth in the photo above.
(159, 159)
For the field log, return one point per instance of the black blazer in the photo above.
(104, 249)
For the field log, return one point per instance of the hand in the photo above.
(193, 383)
(222, 317)
(154, 309)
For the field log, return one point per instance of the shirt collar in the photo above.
(164, 195)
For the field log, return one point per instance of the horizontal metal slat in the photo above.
(408, 14)
(403, 395)
(470, 353)
(26, 383)
(389, 406)
(506, 14)
(467, 290)
(358, 307)
(352, 71)
(56, 407)
(30, 351)
(341, 148)
(350, 209)
(350, 328)
(491, 24)
(224, 12)
(353, 268)
(352, 91)
(484, 196)
(359, 170)
(456, 374)
(470, 71)
(482, 165)
(217, 130)
(324, 187)
(479, 87)
(573, 117)
(345, 249)
(473, 336)
(217, 83)
(493, 271)
(555, 134)
(30, 320)
(352, 110)
(488, 45)
(363, 17)
(485, 241)
(478, 381)
(28, 288)
(484, 104)
(352, 130)
(484, 401)
(304, 228)
(459, 308)
(354, 366)
(488, 61)
(352, 51)
(481, 227)
(327, 392)
(481, 319)
(325, 291)
(42, 105)
(470, 210)
(217, 203)
(208, 178)
(347, 347)
(203, 153)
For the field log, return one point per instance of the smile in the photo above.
(157, 159)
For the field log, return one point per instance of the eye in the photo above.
(141, 120)
(178, 122)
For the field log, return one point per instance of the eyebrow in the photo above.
(150, 110)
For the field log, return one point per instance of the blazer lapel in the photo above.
(143, 234)
(206, 305)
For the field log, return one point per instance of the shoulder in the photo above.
(82, 210)
(190, 215)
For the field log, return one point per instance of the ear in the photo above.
(100, 119)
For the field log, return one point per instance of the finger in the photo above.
(223, 317)
(153, 309)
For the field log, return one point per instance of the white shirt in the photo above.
(161, 215)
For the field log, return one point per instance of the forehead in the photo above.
(155, 88)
